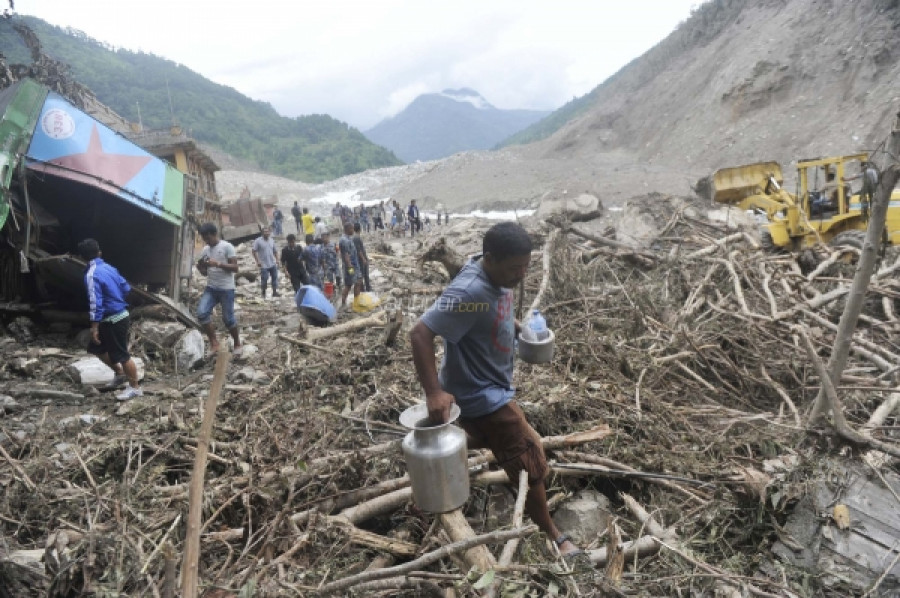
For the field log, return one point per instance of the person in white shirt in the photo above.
(265, 255)
(321, 228)
(218, 262)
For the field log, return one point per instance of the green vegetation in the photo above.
(311, 148)
(551, 123)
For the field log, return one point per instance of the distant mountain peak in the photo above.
(461, 93)
(467, 95)
(437, 125)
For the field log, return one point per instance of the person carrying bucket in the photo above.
(474, 316)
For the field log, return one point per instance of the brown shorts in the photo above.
(513, 441)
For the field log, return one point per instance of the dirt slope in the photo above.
(751, 80)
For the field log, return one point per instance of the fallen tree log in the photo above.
(426, 559)
(351, 326)
(644, 258)
(459, 530)
(372, 540)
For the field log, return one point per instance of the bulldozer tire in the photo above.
(849, 238)
(768, 245)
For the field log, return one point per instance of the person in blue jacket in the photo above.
(106, 290)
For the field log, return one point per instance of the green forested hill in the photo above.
(310, 148)
(553, 122)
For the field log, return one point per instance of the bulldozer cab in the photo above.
(820, 189)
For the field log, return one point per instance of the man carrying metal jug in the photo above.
(474, 316)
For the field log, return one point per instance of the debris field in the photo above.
(677, 400)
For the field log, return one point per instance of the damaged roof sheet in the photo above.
(68, 143)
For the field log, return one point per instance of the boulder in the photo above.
(90, 371)
(189, 350)
(736, 218)
(9, 405)
(248, 374)
(163, 334)
(574, 209)
(584, 517)
(639, 224)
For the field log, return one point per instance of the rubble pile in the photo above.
(674, 406)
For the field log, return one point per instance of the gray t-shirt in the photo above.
(265, 252)
(217, 278)
(348, 248)
(475, 319)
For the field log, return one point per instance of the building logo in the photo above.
(58, 124)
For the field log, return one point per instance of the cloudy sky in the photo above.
(363, 60)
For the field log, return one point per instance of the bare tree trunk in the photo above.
(189, 569)
(864, 269)
(545, 270)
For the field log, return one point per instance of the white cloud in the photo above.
(362, 60)
(401, 98)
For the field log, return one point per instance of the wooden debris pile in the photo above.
(678, 390)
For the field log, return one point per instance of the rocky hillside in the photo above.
(437, 125)
(747, 80)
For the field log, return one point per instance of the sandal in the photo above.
(562, 539)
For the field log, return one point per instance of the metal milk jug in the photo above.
(436, 459)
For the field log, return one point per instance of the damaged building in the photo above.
(65, 176)
(201, 202)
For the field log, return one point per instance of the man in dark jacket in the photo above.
(414, 223)
(292, 261)
(295, 212)
(362, 257)
(106, 291)
(869, 176)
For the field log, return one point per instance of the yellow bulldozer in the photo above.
(823, 209)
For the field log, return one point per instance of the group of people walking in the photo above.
(344, 264)
(392, 219)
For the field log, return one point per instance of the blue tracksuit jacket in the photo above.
(106, 290)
